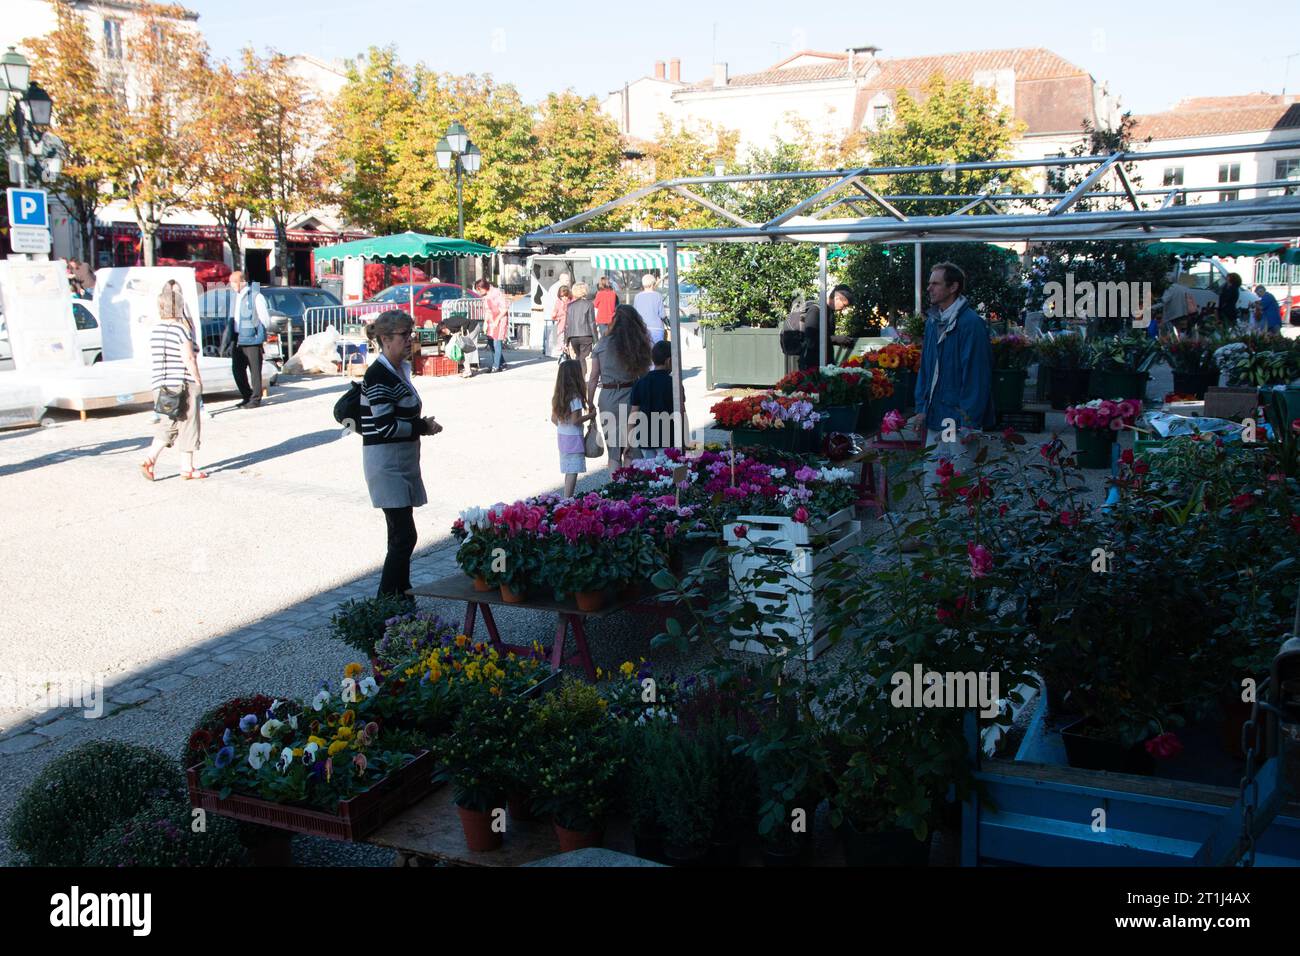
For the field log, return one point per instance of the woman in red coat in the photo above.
(496, 323)
(605, 303)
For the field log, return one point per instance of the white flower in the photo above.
(286, 759)
(271, 727)
(474, 518)
(835, 474)
(320, 700)
(309, 754)
(293, 721)
(776, 474)
(274, 705)
(259, 754)
(368, 686)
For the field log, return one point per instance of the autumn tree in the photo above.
(62, 64)
(578, 163)
(680, 152)
(225, 170)
(155, 161)
(287, 174)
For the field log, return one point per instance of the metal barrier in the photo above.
(471, 309)
(321, 317)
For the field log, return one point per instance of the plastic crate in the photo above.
(436, 365)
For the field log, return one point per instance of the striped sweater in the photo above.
(168, 343)
(390, 408)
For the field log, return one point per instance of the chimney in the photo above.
(659, 69)
(719, 74)
(675, 70)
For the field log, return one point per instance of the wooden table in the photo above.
(458, 587)
(873, 493)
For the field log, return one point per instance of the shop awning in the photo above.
(405, 247)
(1224, 250)
(638, 260)
(1291, 256)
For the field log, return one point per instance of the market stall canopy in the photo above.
(404, 247)
(638, 260)
(1291, 256)
(1224, 250)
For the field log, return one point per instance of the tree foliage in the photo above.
(679, 152)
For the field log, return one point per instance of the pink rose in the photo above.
(981, 561)
(1164, 746)
(740, 531)
(801, 514)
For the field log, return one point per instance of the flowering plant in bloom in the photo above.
(892, 357)
(831, 384)
(1012, 352)
(1102, 414)
(312, 753)
(767, 410)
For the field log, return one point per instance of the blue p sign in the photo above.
(27, 207)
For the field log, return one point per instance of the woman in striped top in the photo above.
(391, 429)
(172, 349)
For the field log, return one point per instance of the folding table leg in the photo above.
(490, 623)
(557, 649)
(471, 610)
(584, 653)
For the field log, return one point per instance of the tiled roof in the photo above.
(1030, 64)
(1220, 115)
(794, 74)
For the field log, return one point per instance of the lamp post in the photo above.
(29, 108)
(456, 149)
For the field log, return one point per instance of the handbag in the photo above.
(593, 445)
(170, 402)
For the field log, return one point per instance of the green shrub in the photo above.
(83, 793)
(361, 622)
(162, 834)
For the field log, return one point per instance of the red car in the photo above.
(429, 298)
(207, 272)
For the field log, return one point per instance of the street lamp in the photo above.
(455, 148)
(28, 107)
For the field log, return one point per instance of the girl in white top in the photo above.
(569, 409)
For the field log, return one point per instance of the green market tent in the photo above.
(1220, 249)
(1291, 256)
(405, 247)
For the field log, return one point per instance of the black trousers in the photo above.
(396, 578)
(246, 364)
(580, 348)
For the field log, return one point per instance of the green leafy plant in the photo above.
(1133, 353)
(579, 756)
(1061, 350)
(80, 795)
(161, 834)
(361, 622)
(482, 756)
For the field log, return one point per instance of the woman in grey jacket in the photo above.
(391, 429)
(580, 326)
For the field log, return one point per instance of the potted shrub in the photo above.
(579, 760)
(1120, 366)
(1061, 357)
(767, 419)
(474, 553)
(869, 796)
(1192, 360)
(1012, 355)
(480, 758)
(688, 805)
(361, 622)
(791, 769)
(1097, 425)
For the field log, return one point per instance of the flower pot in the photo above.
(589, 600)
(686, 856)
(479, 835)
(514, 595)
(1095, 753)
(782, 439)
(1068, 386)
(1094, 445)
(480, 583)
(870, 415)
(892, 847)
(521, 808)
(1195, 383)
(1009, 389)
(838, 418)
(577, 839)
(1106, 384)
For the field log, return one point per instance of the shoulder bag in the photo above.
(171, 401)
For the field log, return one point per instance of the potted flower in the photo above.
(870, 795)
(1012, 355)
(579, 761)
(480, 758)
(838, 392)
(900, 362)
(515, 529)
(768, 419)
(474, 553)
(1062, 366)
(1192, 360)
(1120, 366)
(1096, 426)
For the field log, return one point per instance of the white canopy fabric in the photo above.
(634, 260)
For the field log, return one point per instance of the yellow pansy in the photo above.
(627, 668)
(337, 746)
(352, 670)
(318, 741)
(345, 733)
(461, 640)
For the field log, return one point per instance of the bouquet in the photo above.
(1012, 352)
(1102, 414)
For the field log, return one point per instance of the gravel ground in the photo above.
(111, 575)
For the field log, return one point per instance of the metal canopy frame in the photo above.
(808, 220)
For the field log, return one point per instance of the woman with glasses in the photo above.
(391, 429)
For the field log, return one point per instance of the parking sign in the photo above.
(28, 207)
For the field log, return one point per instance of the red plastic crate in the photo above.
(436, 365)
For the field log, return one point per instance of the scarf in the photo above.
(947, 320)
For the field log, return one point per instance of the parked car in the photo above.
(207, 272)
(287, 304)
(429, 298)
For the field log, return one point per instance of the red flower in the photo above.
(1140, 468)
(801, 514)
(945, 469)
(1002, 510)
(1043, 505)
(1126, 456)
(1243, 502)
(740, 531)
(1009, 433)
(1067, 518)
(981, 562)
(1164, 746)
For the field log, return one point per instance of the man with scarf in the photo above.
(954, 388)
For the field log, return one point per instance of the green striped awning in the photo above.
(634, 260)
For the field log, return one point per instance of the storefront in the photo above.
(119, 244)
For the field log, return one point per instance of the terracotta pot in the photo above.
(479, 835)
(512, 596)
(589, 600)
(577, 839)
(480, 584)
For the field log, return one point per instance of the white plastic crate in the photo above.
(801, 551)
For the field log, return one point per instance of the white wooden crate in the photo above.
(801, 551)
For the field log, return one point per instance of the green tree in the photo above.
(579, 161)
(883, 278)
(755, 283)
(679, 152)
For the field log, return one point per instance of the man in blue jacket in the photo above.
(954, 388)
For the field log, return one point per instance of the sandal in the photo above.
(190, 475)
(146, 469)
